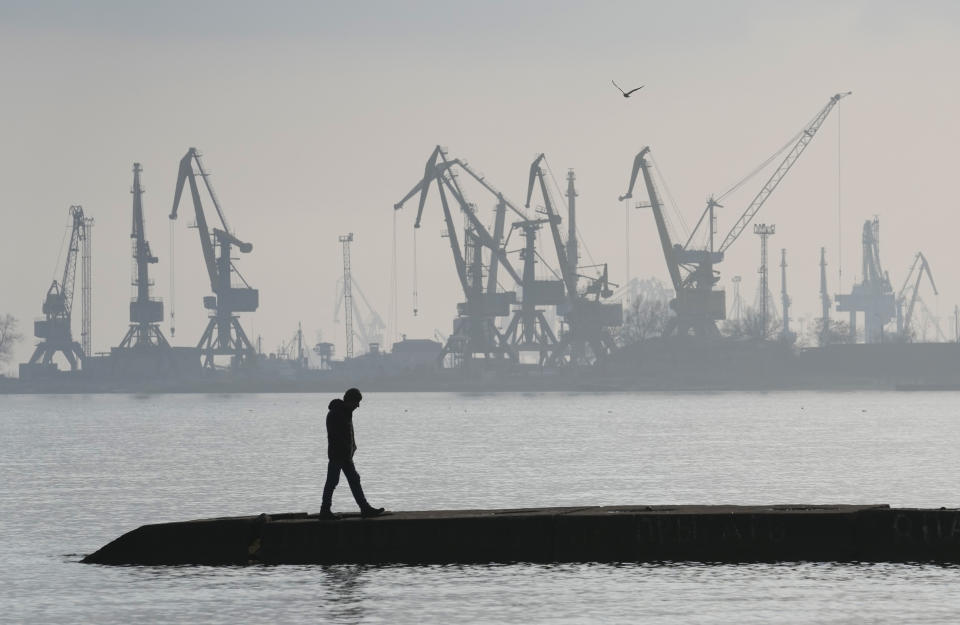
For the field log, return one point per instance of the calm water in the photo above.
(76, 472)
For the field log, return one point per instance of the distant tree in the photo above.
(9, 337)
(750, 326)
(835, 332)
(644, 319)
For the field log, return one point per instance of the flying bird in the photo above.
(626, 94)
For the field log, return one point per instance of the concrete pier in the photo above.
(875, 533)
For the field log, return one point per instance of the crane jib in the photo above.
(791, 158)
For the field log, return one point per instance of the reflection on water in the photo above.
(343, 597)
(78, 472)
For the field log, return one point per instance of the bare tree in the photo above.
(644, 319)
(835, 332)
(9, 337)
(750, 326)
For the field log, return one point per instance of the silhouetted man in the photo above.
(341, 445)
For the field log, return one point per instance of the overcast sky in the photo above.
(315, 118)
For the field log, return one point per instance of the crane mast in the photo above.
(345, 241)
(146, 313)
(223, 336)
(785, 334)
(824, 299)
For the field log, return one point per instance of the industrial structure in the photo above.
(364, 323)
(764, 299)
(146, 312)
(54, 330)
(736, 305)
(586, 338)
(873, 296)
(909, 294)
(786, 335)
(824, 300)
(697, 304)
(476, 334)
(532, 299)
(224, 336)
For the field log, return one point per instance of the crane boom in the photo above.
(640, 165)
(921, 266)
(434, 171)
(567, 273)
(69, 280)
(806, 136)
(186, 174)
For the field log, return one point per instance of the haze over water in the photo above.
(78, 471)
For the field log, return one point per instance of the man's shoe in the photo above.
(327, 515)
(369, 512)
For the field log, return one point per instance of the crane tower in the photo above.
(345, 241)
(146, 313)
(764, 231)
(785, 334)
(824, 299)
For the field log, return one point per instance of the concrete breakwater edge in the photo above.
(722, 534)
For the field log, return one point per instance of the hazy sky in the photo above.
(315, 118)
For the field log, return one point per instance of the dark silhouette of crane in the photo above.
(146, 312)
(586, 340)
(873, 296)
(475, 333)
(698, 307)
(54, 329)
(223, 336)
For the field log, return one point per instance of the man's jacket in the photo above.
(341, 444)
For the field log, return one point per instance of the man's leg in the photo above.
(333, 478)
(353, 478)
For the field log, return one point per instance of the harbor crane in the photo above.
(587, 339)
(873, 296)
(475, 332)
(146, 312)
(697, 305)
(223, 335)
(911, 286)
(54, 329)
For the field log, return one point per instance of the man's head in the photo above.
(352, 397)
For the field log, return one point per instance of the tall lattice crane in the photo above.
(146, 312)
(54, 329)
(691, 269)
(223, 336)
(345, 241)
(368, 322)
